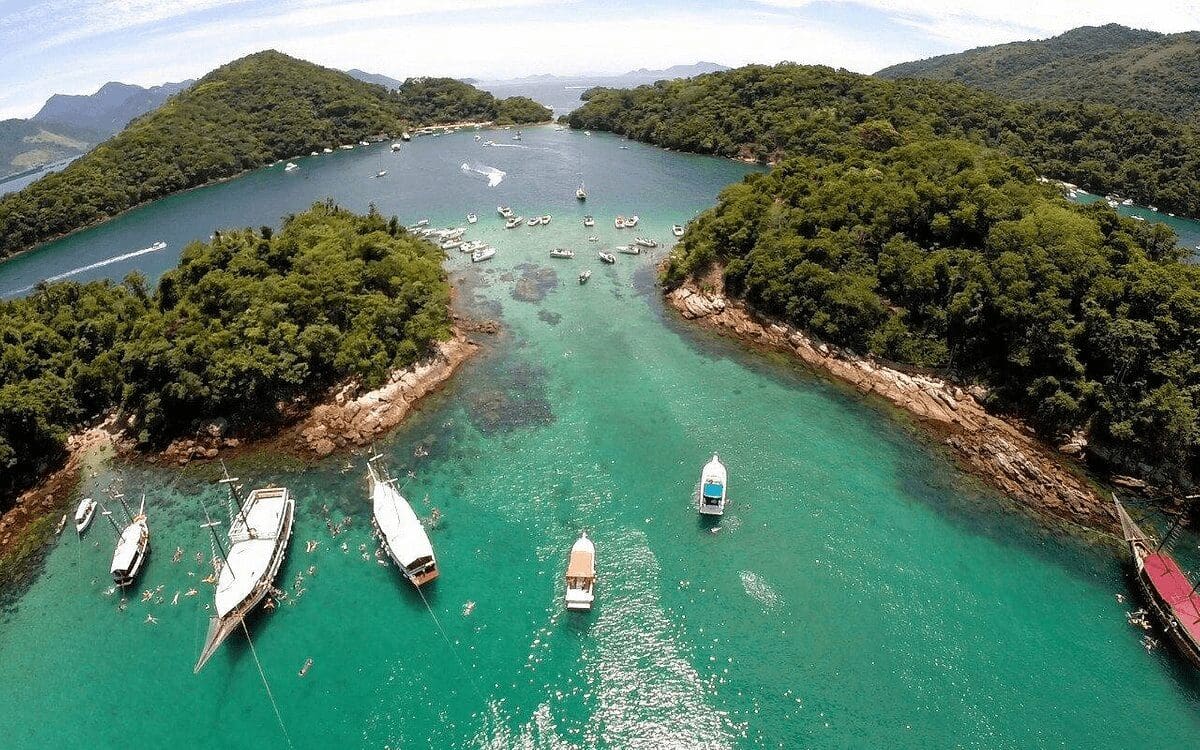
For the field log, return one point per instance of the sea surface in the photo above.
(859, 592)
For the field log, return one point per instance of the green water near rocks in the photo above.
(859, 592)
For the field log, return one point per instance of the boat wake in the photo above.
(98, 264)
(494, 176)
(758, 589)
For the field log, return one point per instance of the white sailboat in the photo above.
(133, 544)
(711, 496)
(403, 536)
(259, 530)
(84, 514)
(581, 574)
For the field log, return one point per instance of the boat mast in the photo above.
(108, 514)
(121, 496)
(234, 495)
(212, 525)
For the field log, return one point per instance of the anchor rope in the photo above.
(446, 638)
(266, 685)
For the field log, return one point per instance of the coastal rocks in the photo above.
(1001, 451)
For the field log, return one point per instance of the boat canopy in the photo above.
(1175, 589)
(128, 546)
(714, 490)
(405, 536)
(582, 563)
(252, 546)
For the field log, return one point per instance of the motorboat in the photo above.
(711, 494)
(291, 167)
(84, 514)
(380, 173)
(580, 192)
(607, 257)
(471, 246)
(395, 147)
(363, 143)
(545, 219)
(619, 222)
(482, 254)
(327, 150)
(560, 252)
(514, 222)
(581, 574)
(404, 537)
(451, 244)
(534, 221)
(677, 230)
(517, 137)
(589, 221)
(644, 242)
(347, 146)
(405, 136)
(584, 276)
(629, 249)
(472, 218)
(260, 527)
(504, 211)
(631, 222)
(478, 138)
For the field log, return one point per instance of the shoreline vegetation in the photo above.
(238, 340)
(244, 115)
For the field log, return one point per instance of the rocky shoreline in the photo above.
(1003, 452)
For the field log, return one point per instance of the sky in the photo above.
(74, 46)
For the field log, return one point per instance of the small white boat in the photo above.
(472, 246)
(291, 167)
(581, 574)
(1153, 208)
(478, 138)
(513, 223)
(534, 221)
(84, 514)
(631, 222)
(347, 146)
(62, 523)
(489, 143)
(607, 257)
(327, 150)
(629, 249)
(545, 219)
(504, 211)
(619, 222)
(593, 238)
(454, 234)
(451, 244)
(1127, 202)
(587, 132)
(482, 253)
(132, 548)
(363, 143)
(643, 242)
(560, 252)
(380, 173)
(580, 192)
(677, 230)
(405, 136)
(584, 276)
(588, 221)
(472, 218)
(315, 153)
(711, 496)
(517, 137)
(395, 147)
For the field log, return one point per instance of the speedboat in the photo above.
(472, 218)
(315, 153)
(643, 242)
(677, 230)
(380, 173)
(454, 234)
(259, 531)
(513, 223)
(580, 193)
(347, 146)
(560, 252)
(132, 547)
(534, 221)
(545, 219)
(327, 150)
(84, 514)
(451, 244)
(619, 222)
(504, 211)
(489, 143)
(482, 253)
(631, 222)
(517, 137)
(711, 496)
(588, 221)
(395, 146)
(581, 574)
(471, 246)
(629, 249)
(363, 143)
(584, 276)
(607, 257)
(403, 536)
(291, 166)
(405, 136)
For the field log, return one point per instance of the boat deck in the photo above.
(1173, 586)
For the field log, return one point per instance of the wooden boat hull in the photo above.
(1162, 612)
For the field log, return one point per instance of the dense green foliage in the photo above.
(248, 113)
(1109, 64)
(519, 110)
(246, 327)
(765, 113)
(944, 254)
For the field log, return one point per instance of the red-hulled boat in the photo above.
(1172, 597)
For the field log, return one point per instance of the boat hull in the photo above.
(1162, 612)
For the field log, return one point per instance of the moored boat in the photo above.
(451, 244)
(619, 222)
(405, 136)
(260, 528)
(403, 536)
(593, 238)
(514, 222)
(631, 222)
(607, 257)
(711, 496)
(545, 219)
(395, 147)
(472, 218)
(644, 242)
(534, 221)
(133, 545)
(560, 252)
(504, 211)
(584, 276)
(1171, 596)
(482, 254)
(580, 192)
(581, 574)
(588, 221)
(84, 514)
(629, 249)
(291, 166)
(677, 230)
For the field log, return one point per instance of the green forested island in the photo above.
(766, 112)
(878, 232)
(246, 327)
(1110, 64)
(243, 115)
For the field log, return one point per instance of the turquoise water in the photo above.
(858, 592)
(1187, 229)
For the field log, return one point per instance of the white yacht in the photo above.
(619, 222)
(629, 249)
(380, 173)
(451, 244)
(259, 530)
(472, 218)
(534, 221)
(405, 136)
(514, 222)
(347, 146)
(517, 137)
(584, 276)
(677, 230)
(580, 192)
(560, 252)
(588, 221)
(132, 547)
(504, 211)
(327, 150)
(363, 143)
(643, 242)
(607, 257)
(84, 514)
(711, 496)
(631, 222)
(483, 254)
(403, 536)
(291, 167)
(545, 219)
(581, 574)
(395, 147)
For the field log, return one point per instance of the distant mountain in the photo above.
(678, 71)
(108, 110)
(376, 78)
(26, 145)
(1109, 64)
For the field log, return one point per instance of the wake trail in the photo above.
(98, 264)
